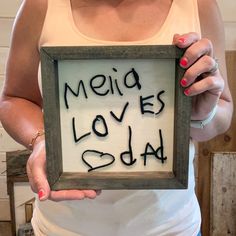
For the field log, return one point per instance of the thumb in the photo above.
(175, 38)
(36, 172)
(41, 183)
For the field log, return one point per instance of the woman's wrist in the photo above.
(200, 124)
(37, 137)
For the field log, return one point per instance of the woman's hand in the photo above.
(36, 166)
(202, 79)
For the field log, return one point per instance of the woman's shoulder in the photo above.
(34, 6)
(30, 17)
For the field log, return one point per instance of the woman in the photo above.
(193, 24)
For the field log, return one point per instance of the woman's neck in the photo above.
(120, 20)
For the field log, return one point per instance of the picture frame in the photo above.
(55, 68)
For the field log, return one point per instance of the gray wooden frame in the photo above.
(178, 179)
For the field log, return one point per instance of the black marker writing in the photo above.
(76, 139)
(97, 154)
(143, 104)
(100, 119)
(158, 153)
(122, 114)
(162, 103)
(76, 94)
(118, 89)
(129, 153)
(102, 80)
(111, 85)
(146, 104)
(135, 78)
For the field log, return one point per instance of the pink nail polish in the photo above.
(183, 62)
(186, 92)
(183, 82)
(40, 194)
(182, 40)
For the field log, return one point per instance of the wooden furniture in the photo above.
(16, 172)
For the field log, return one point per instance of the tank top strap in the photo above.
(57, 23)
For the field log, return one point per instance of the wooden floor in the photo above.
(5, 229)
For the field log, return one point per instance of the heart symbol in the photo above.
(98, 154)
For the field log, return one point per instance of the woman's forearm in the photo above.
(21, 118)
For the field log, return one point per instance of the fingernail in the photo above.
(186, 92)
(183, 82)
(182, 40)
(41, 194)
(184, 62)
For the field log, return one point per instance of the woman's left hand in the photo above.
(202, 79)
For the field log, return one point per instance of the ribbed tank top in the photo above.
(120, 212)
(60, 29)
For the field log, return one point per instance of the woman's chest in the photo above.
(123, 23)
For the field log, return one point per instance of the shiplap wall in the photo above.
(228, 10)
(8, 9)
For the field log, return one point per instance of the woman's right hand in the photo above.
(36, 167)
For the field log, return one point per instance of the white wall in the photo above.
(228, 10)
(8, 9)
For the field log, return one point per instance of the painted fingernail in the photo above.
(41, 194)
(182, 40)
(186, 92)
(183, 82)
(184, 62)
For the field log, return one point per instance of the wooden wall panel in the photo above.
(222, 143)
(8, 8)
(1, 81)
(230, 34)
(3, 164)
(3, 187)
(5, 210)
(223, 194)
(3, 57)
(5, 29)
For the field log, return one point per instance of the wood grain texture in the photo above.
(230, 34)
(223, 194)
(5, 210)
(223, 143)
(5, 229)
(16, 172)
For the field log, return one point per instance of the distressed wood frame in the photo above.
(177, 179)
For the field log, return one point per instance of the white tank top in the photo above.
(120, 212)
